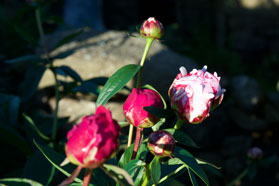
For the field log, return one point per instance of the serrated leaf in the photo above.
(190, 162)
(68, 38)
(68, 71)
(192, 178)
(19, 182)
(119, 175)
(117, 81)
(182, 137)
(155, 169)
(31, 81)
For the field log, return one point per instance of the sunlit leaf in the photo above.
(155, 169)
(119, 175)
(117, 81)
(18, 182)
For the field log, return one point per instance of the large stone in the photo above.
(101, 54)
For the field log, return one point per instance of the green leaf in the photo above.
(26, 58)
(126, 157)
(12, 137)
(267, 161)
(13, 109)
(37, 171)
(158, 124)
(63, 55)
(19, 182)
(190, 162)
(31, 81)
(31, 123)
(192, 178)
(117, 81)
(182, 137)
(136, 169)
(54, 158)
(152, 88)
(68, 71)
(155, 168)
(202, 162)
(119, 175)
(68, 38)
(252, 171)
(25, 35)
(123, 124)
(159, 112)
(87, 87)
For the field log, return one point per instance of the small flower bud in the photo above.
(152, 28)
(136, 101)
(255, 153)
(93, 140)
(193, 95)
(161, 143)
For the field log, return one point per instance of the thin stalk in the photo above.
(171, 174)
(137, 142)
(70, 179)
(87, 177)
(57, 96)
(239, 177)
(41, 32)
(138, 84)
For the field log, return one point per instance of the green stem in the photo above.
(41, 31)
(147, 47)
(178, 124)
(171, 174)
(138, 84)
(57, 98)
(239, 177)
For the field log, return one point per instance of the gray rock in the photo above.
(246, 92)
(101, 54)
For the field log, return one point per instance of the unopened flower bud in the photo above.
(152, 28)
(93, 140)
(161, 143)
(136, 101)
(255, 153)
(193, 95)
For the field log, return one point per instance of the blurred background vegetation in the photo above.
(237, 38)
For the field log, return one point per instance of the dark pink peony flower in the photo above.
(93, 140)
(255, 153)
(161, 143)
(193, 95)
(152, 28)
(133, 107)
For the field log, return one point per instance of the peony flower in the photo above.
(93, 140)
(151, 28)
(133, 107)
(255, 153)
(161, 143)
(193, 95)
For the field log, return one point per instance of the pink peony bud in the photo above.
(255, 153)
(133, 107)
(192, 95)
(152, 28)
(161, 143)
(93, 140)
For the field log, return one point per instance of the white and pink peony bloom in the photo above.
(193, 95)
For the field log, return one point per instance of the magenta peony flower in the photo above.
(133, 107)
(161, 143)
(255, 153)
(93, 140)
(193, 95)
(152, 28)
